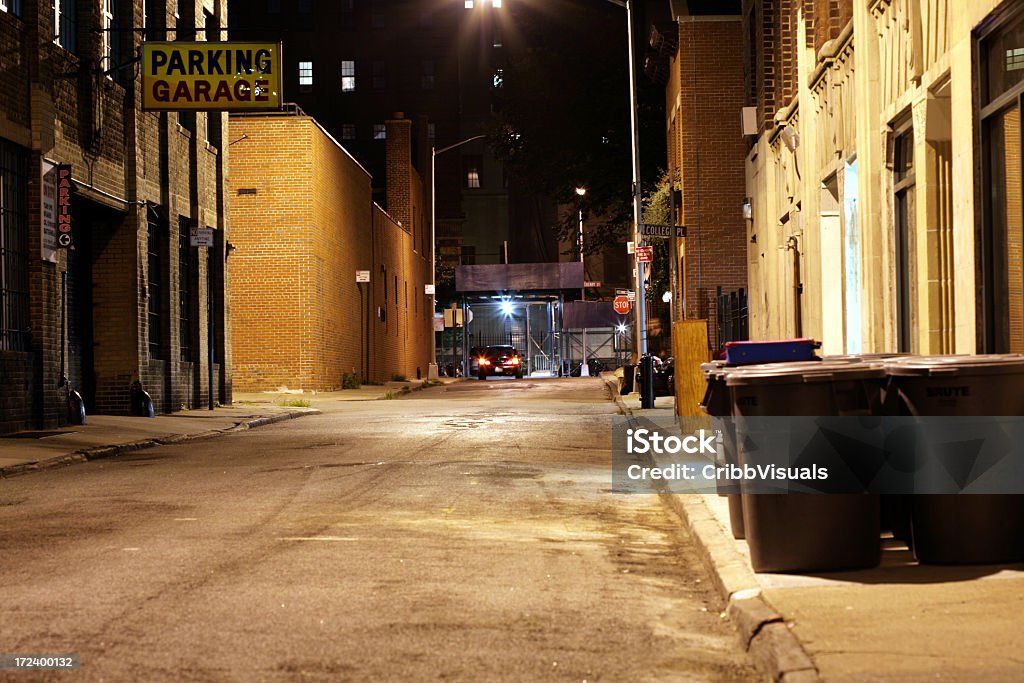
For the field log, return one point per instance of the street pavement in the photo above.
(464, 532)
(461, 532)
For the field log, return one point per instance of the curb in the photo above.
(112, 451)
(765, 634)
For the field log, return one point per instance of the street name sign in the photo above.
(655, 230)
(591, 283)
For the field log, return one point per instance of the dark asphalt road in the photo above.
(462, 533)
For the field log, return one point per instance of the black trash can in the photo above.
(716, 403)
(628, 375)
(967, 528)
(808, 532)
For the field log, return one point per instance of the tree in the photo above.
(562, 115)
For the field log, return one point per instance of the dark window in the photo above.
(380, 80)
(13, 248)
(155, 19)
(156, 240)
(273, 6)
(305, 6)
(65, 25)
(348, 131)
(11, 6)
(1002, 244)
(903, 202)
(376, 14)
(186, 277)
(427, 74)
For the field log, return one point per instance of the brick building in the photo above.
(884, 173)
(137, 295)
(703, 98)
(304, 222)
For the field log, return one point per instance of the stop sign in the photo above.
(621, 305)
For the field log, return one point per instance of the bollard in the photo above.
(646, 380)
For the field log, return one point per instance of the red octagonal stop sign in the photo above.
(621, 305)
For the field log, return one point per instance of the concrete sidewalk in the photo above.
(104, 436)
(901, 621)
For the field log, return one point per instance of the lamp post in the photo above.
(432, 368)
(584, 368)
(646, 401)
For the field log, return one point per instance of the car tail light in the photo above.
(484, 361)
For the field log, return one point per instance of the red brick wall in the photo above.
(712, 162)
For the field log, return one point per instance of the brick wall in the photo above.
(299, 318)
(712, 155)
(64, 110)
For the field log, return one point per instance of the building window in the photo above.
(64, 25)
(427, 74)
(348, 131)
(904, 210)
(498, 79)
(469, 4)
(431, 131)
(273, 6)
(11, 6)
(1002, 244)
(305, 6)
(496, 37)
(380, 131)
(108, 59)
(473, 163)
(380, 80)
(305, 76)
(156, 235)
(13, 248)
(376, 14)
(186, 276)
(348, 75)
(347, 14)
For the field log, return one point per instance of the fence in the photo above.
(733, 321)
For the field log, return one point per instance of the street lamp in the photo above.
(646, 401)
(432, 368)
(584, 368)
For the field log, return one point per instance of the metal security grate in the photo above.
(14, 335)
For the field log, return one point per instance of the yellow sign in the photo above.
(211, 76)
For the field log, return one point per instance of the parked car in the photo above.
(499, 360)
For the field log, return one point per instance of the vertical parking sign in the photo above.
(65, 218)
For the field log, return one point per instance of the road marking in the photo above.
(319, 538)
(186, 519)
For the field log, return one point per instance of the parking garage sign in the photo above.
(201, 76)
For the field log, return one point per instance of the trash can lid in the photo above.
(805, 372)
(952, 365)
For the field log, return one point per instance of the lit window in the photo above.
(380, 132)
(305, 76)
(499, 78)
(348, 131)
(472, 164)
(348, 75)
(496, 4)
(469, 4)
(1015, 59)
